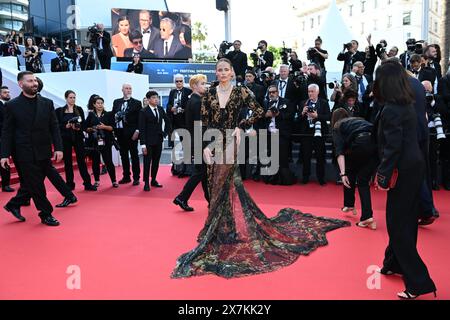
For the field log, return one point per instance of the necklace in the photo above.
(226, 89)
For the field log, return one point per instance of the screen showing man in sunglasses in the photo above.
(138, 47)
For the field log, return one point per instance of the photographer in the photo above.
(413, 47)
(280, 114)
(350, 55)
(371, 57)
(431, 53)
(81, 60)
(318, 56)
(313, 123)
(136, 66)
(102, 40)
(10, 48)
(257, 89)
(295, 64)
(59, 64)
(100, 125)
(176, 105)
(314, 77)
(348, 83)
(71, 119)
(444, 110)
(32, 56)
(434, 124)
(265, 58)
(267, 78)
(126, 114)
(237, 58)
(286, 86)
(420, 71)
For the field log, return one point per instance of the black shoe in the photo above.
(183, 204)
(67, 202)
(8, 189)
(435, 212)
(136, 182)
(125, 181)
(15, 212)
(426, 221)
(90, 187)
(156, 184)
(147, 187)
(48, 220)
(115, 185)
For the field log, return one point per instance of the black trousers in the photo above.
(129, 147)
(106, 153)
(433, 158)
(105, 61)
(32, 175)
(69, 145)
(308, 144)
(402, 211)
(152, 158)
(359, 167)
(199, 174)
(6, 177)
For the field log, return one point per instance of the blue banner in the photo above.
(163, 72)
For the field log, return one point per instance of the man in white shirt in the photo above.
(169, 47)
(150, 34)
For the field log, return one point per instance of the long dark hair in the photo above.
(392, 84)
(91, 102)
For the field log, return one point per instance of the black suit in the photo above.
(138, 68)
(239, 61)
(83, 61)
(124, 131)
(444, 109)
(29, 130)
(287, 90)
(73, 139)
(426, 74)
(178, 120)
(5, 174)
(105, 54)
(193, 114)
(284, 125)
(314, 142)
(175, 51)
(349, 59)
(399, 149)
(155, 35)
(59, 65)
(268, 58)
(152, 136)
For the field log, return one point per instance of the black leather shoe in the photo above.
(183, 204)
(8, 189)
(426, 221)
(15, 212)
(156, 184)
(48, 220)
(125, 181)
(135, 182)
(90, 187)
(147, 187)
(67, 202)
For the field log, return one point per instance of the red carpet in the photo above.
(126, 243)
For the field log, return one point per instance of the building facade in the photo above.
(392, 20)
(13, 15)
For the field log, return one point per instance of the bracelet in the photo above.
(343, 174)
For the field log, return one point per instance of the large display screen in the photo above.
(152, 35)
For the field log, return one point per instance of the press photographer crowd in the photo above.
(297, 106)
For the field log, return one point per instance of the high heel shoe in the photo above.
(369, 223)
(348, 209)
(405, 295)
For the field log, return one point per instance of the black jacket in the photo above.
(107, 118)
(284, 120)
(239, 61)
(59, 65)
(350, 59)
(369, 63)
(2, 117)
(346, 133)
(69, 133)
(444, 100)
(150, 131)
(427, 74)
(324, 115)
(268, 58)
(131, 123)
(292, 93)
(29, 138)
(177, 120)
(259, 92)
(83, 62)
(107, 50)
(138, 68)
(398, 147)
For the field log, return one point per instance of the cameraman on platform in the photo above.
(237, 58)
(265, 59)
(295, 64)
(103, 42)
(318, 56)
(350, 55)
(59, 64)
(413, 47)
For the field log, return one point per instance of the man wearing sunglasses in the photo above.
(138, 47)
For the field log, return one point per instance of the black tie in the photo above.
(156, 114)
(166, 48)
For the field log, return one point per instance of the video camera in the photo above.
(381, 48)
(266, 75)
(273, 107)
(285, 54)
(414, 46)
(300, 79)
(348, 46)
(76, 121)
(93, 33)
(224, 46)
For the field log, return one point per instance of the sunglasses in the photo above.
(178, 81)
(272, 92)
(137, 42)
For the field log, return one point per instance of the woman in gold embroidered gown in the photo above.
(238, 239)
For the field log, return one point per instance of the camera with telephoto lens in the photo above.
(178, 107)
(76, 121)
(273, 107)
(300, 79)
(429, 97)
(311, 53)
(284, 52)
(348, 46)
(99, 138)
(437, 124)
(93, 33)
(266, 75)
(381, 49)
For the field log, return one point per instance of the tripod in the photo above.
(93, 54)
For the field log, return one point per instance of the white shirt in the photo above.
(282, 87)
(272, 125)
(123, 108)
